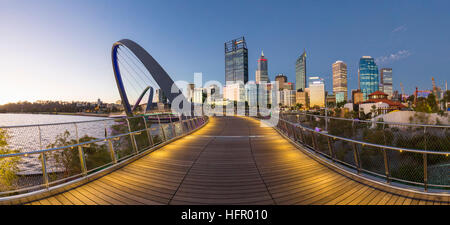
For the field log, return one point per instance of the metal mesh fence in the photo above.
(33, 157)
(414, 155)
(415, 136)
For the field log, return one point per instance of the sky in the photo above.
(61, 50)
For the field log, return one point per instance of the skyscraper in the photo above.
(281, 79)
(300, 72)
(236, 61)
(386, 81)
(368, 76)
(261, 72)
(340, 80)
(317, 92)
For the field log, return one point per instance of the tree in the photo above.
(8, 165)
(68, 159)
(298, 106)
(431, 101)
(411, 98)
(427, 105)
(341, 104)
(373, 110)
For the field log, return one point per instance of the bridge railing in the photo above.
(418, 167)
(36, 157)
(404, 135)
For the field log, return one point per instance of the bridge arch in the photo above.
(156, 71)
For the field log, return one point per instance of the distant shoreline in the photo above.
(62, 113)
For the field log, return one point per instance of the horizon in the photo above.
(60, 51)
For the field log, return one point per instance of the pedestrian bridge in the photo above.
(233, 160)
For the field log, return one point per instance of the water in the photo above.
(46, 130)
(10, 119)
(33, 138)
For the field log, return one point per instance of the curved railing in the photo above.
(92, 147)
(417, 167)
(383, 123)
(403, 135)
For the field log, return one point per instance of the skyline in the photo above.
(61, 50)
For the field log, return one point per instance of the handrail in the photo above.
(370, 121)
(187, 125)
(70, 146)
(367, 143)
(296, 132)
(83, 121)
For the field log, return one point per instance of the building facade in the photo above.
(190, 92)
(198, 95)
(357, 96)
(386, 82)
(262, 74)
(340, 80)
(289, 97)
(301, 97)
(159, 96)
(317, 92)
(281, 79)
(368, 76)
(300, 72)
(234, 92)
(236, 61)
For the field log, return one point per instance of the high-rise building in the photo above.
(190, 92)
(340, 80)
(198, 96)
(262, 74)
(301, 97)
(234, 92)
(289, 86)
(213, 92)
(300, 72)
(289, 97)
(357, 96)
(236, 61)
(281, 79)
(317, 92)
(386, 82)
(368, 76)
(159, 96)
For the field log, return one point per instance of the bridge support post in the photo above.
(174, 132)
(81, 153)
(330, 148)
(386, 166)
(314, 140)
(43, 161)
(425, 172)
(356, 157)
(425, 162)
(161, 128)
(302, 136)
(148, 131)
(386, 160)
(133, 138)
(111, 151)
(180, 119)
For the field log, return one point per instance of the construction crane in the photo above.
(403, 91)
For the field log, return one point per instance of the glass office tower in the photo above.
(236, 61)
(368, 76)
(300, 72)
(386, 81)
(339, 69)
(262, 74)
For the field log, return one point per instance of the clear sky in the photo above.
(60, 50)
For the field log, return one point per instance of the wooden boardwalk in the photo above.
(232, 160)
